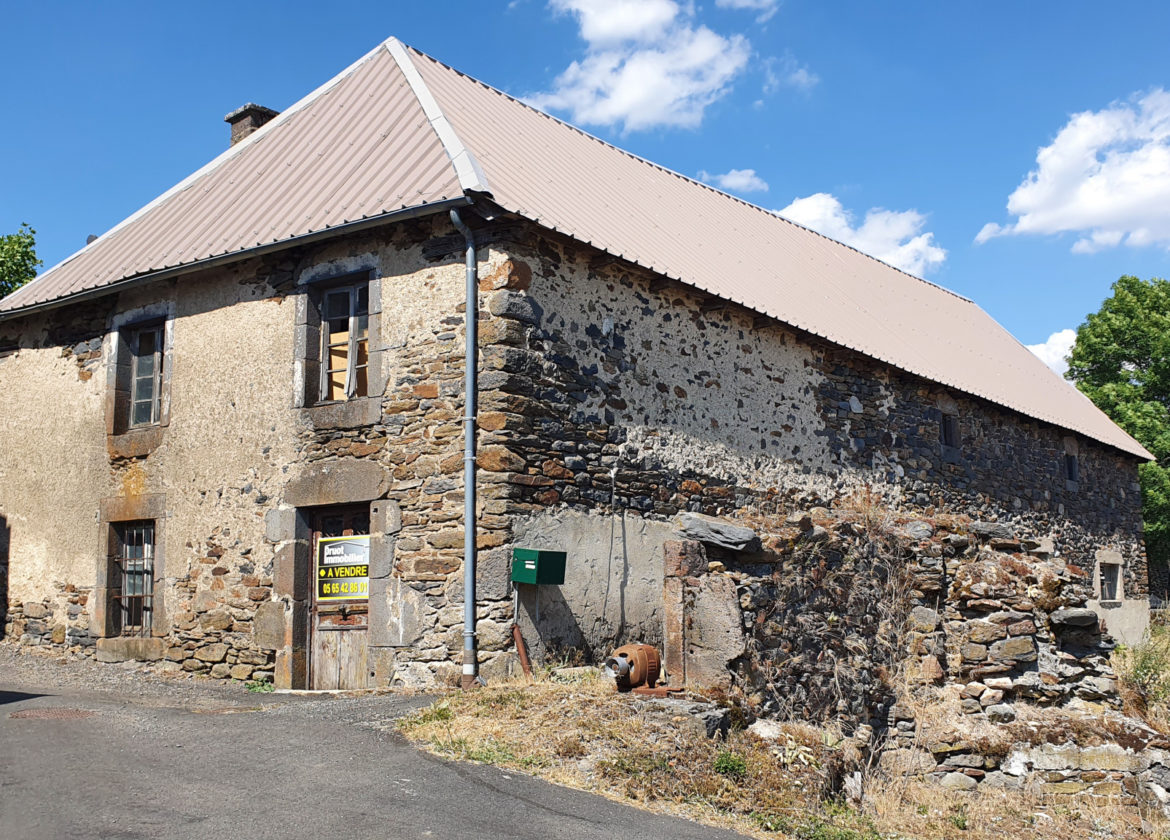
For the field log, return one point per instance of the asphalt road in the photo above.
(118, 762)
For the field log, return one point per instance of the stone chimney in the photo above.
(246, 119)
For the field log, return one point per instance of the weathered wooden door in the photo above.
(338, 623)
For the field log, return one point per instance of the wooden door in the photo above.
(338, 623)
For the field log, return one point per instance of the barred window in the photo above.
(132, 581)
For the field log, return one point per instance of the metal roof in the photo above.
(398, 131)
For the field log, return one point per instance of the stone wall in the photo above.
(607, 394)
(234, 450)
(608, 389)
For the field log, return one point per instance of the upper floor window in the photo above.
(345, 339)
(146, 363)
(1072, 463)
(138, 359)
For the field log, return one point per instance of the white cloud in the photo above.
(893, 237)
(786, 71)
(1054, 352)
(736, 180)
(613, 21)
(1106, 176)
(766, 8)
(645, 65)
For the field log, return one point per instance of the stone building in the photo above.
(246, 451)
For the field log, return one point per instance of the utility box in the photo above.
(534, 565)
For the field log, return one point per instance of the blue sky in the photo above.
(905, 129)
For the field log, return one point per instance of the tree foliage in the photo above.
(18, 259)
(1121, 361)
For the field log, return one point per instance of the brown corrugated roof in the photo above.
(399, 130)
(358, 147)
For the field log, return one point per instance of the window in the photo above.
(949, 430)
(345, 328)
(1072, 468)
(146, 352)
(138, 359)
(131, 582)
(1110, 582)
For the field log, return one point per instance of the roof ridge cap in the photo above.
(467, 168)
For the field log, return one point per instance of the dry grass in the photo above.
(902, 808)
(1143, 678)
(584, 735)
(589, 737)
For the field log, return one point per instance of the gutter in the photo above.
(236, 256)
(470, 404)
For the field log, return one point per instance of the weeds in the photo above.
(730, 764)
(1143, 674)
(259, 686)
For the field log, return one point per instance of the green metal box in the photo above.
(534, 565)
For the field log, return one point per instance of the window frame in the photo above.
(310, 343)
(124, 607)
(157, 357)
(356, 334)
(1113, 591)
(126, 438)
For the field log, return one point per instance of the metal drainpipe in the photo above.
(470, 404)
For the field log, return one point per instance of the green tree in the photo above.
(1121, 361)
(18, 259)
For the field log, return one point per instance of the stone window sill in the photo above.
(135, 443)
(363, 411)
(1110, 605)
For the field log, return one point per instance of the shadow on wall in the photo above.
(558, 635)
(5, 541)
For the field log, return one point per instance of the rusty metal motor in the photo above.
(634, 666)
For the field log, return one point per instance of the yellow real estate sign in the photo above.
(343, 568)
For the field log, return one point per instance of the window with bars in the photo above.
(146, 361)
(345, 327)
(132, 581)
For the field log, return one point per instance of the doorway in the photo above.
(339, 610)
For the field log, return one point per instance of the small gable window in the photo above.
(1072, 463)
(949, 431)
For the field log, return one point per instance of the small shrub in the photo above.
(259, 686)
(730, 764)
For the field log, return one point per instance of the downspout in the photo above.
(470, 402)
